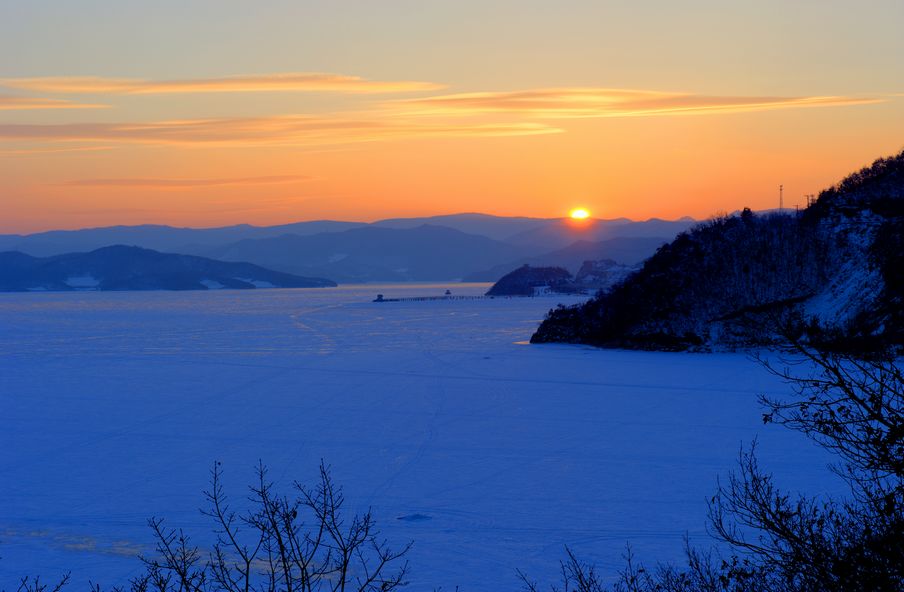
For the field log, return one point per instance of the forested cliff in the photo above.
(832, 273)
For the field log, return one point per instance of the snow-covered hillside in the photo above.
(830, 274)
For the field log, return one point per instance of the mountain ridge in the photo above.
(422, 253)
(507, 243)
(120, 267)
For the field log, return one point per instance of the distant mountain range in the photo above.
(161, 238)
(135, 268)
(476, 247)
(371, 253)
(833, 273)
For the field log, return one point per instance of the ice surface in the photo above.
(488, 453)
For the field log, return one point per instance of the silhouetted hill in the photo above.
(526, 279)
(831, 273)
(134, 268)
(878, 188)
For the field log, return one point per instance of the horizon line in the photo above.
(362, 223)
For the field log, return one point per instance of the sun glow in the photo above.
(579, 214)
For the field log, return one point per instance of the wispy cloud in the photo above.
(14, 103)
(28, 151)
(285, 130)
(286, 82)
(606, 102)
(187, 183)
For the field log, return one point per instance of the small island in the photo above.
(529, 281)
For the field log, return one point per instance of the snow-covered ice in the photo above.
(82, 282)
(490, 454)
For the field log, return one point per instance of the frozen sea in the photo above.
(114, 405)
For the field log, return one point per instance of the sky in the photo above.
(215, 112)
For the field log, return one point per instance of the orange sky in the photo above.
(373, 110)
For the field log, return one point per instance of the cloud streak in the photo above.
(30, 151)
(285, 82)
(149, 183)
(14, 103)
(278, 130)
(558, 103)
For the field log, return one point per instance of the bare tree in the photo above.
(304, 543)
(576, 576)
(28, 584)
(853, 406)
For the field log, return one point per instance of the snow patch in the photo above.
(257, 283)
(855, 284)
(212, 284)
(854, 290)
(82, 282)
(544, 291)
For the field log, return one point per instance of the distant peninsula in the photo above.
(122, 268)
(593, 276)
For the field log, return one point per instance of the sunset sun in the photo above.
(579, 214)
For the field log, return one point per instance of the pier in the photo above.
(380, 298)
